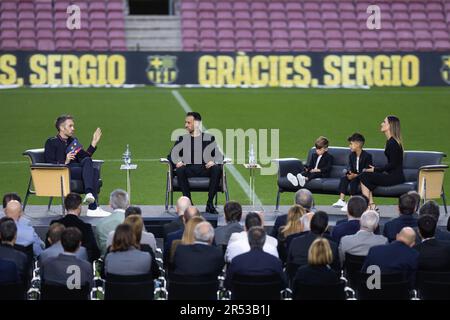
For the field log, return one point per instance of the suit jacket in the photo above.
(279, 222)
(256, 262)
(198, 259)
(344, 229)
(391, 228)
(8, 272)
(442, 235)
(106, 225)
(434, 255)
(20, 259)
(365, 159)
(171, 237)
(299, 248)
(127, 263)
(55, 150)
(222, 234)
(88, 239)
(55, 270)
(174, 225)
(395, 257)
(185, 150)
(325, 164)
(359, 243)
(316, 275)
(57, 248)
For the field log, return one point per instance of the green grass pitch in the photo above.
(145, 117)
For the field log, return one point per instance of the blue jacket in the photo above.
(8, 272)
(343, 229)
(391, 228)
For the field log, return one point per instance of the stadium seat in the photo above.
(352, 267)
(245, 287)
(303, 291)
(138, 287)
(51, 291)
(433, 285)
(184, 287)
(392, 287)
(12, 291)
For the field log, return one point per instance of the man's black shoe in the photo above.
(211, 209)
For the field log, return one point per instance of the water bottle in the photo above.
(251, 156)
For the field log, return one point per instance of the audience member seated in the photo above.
(176, 224)
(201, 257)
(406, 218)
(54, 238)
(124, 257)
(118, 200)
(395, 257)
(58, 270)
(299, 248)
(238, 243)
(8, 236)
(146, 238)
(233, 215)
(7, 197)
(73, 203)
(187, 236)
(25, 232)
(318, 270)
(255, 262)
(304, 198)
(432, 208)
(359, 243)
(417, 199)
(8, 272)
(292, 230)
(355, 208)
(434, 255)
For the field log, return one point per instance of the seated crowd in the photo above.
(302, 247)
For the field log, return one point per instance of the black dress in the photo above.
(389, 175)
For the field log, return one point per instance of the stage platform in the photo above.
(156, 216)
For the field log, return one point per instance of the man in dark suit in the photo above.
(233, 214)
(434, 255)
(200, 258)
(357, 205)
(256, 262)
(299, 248)
(8, 236)
(72, 203)
(8, 272)
(406, 207)
(57, 270)
(432, 208)
(176, 224)
(395, 257)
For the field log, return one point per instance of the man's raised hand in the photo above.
(96, 137)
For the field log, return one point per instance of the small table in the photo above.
(128, 167)
(252, 168)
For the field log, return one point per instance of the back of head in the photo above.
(319, 222)
(13, 210)
(10, 196)
(189, 213)
(72, 202)
(407, 204)
(356, 206)
(233, 211)
(124, 238)
(188, 234)
(430, 208)
(55, 231)
(293, 223)
(8, 230)
(304, 198)
(256, 237)
(369, 220)
(119, 199)
(319, 253)
(252, 220)
(204, 232)
(133, 210)
(71, 239)
(416, 196)
(427, 226)
(137, 225)
(182, 204)
(407, 235)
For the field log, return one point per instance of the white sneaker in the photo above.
(339, 204)
(301, 180)
(99, 212)
(89, 198)
(344, 208)
(292, 179)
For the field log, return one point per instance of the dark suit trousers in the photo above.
(85, 171)
(198, 170)
(344, 183)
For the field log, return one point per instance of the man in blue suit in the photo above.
(396, 257)
(406, 206)
(256, 262)
(356, 206)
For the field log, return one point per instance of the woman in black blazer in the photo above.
(392, 173)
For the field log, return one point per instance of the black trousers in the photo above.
(199, 170)
(345, 183)
(374, 179)
(85, 171)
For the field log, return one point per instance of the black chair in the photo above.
(37, 162)
(433, 285)
(244, 287)
(291, 270)
(52, 291)
(196, 184)
(189, 287)
(392, 287)
(303, 291)
(352, 267)
(136, 287)
(12, 291)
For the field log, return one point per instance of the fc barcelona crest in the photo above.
(445, 69)
(162, 69)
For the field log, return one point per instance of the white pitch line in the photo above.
(234, 172)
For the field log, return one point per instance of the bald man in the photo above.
(25, 232)
(397, 256)
(182, 204)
